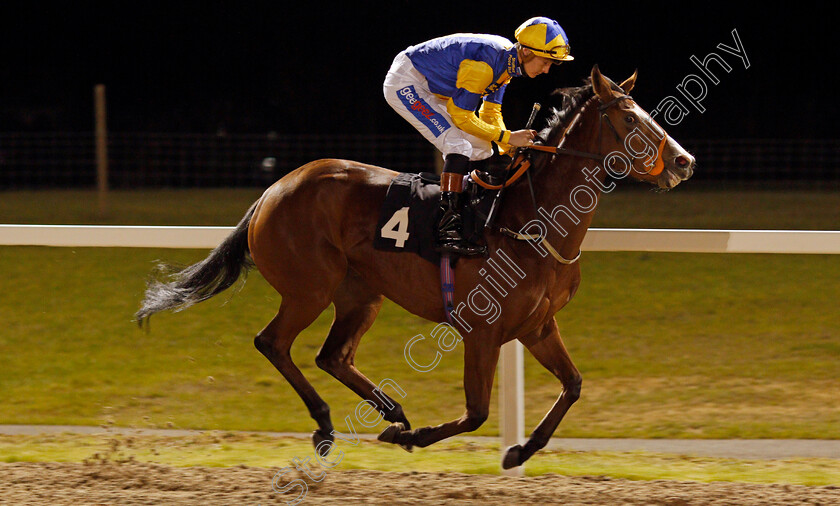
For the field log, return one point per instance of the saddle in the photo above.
(408, 217)
(408, 220)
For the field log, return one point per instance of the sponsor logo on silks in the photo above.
(435, 122)
(494, 87)
(512, 64)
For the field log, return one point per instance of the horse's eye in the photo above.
(629, 119)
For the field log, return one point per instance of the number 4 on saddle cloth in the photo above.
(409, 215)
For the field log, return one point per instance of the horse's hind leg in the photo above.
(275, 341)
(548, 348)
(356, 307)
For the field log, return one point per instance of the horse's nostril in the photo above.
(682, 161)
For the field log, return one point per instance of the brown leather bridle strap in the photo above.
(604, 106)
(603, 110)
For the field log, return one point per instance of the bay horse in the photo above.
(311, 237)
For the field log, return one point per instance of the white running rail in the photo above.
(511, 382)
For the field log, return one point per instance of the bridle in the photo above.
(524, 163)
(602, 118)
(521, 165)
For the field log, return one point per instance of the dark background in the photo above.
(253, 68)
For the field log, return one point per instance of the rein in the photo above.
(524, 164)
(565, 151)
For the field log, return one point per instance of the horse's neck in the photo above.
(558, 182)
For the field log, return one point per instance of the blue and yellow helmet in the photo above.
(545, 38)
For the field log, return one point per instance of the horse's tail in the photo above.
(183, 287)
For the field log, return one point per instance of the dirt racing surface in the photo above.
(130, 483)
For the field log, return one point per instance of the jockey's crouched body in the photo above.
(438, 85)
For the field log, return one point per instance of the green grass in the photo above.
(670, 345)
(703, 346)
(225, 449)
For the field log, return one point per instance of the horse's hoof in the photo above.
(511, 458)
(389, 435)
(319, 437)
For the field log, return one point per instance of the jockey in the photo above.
(438, 85)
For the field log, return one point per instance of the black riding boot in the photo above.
(449, 238)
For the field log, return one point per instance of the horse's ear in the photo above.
(628, 84)
(600, 85)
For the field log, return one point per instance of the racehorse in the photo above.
(311, 237)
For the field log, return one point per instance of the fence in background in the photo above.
(64, 159)
(511, 369)
(137, 160)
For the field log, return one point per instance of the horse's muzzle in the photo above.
(684, 166)
(680, 169)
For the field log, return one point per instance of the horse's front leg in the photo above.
(480, 359)
(547, 346)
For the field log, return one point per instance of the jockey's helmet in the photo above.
(545, 38)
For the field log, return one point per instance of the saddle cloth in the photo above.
(408, 217)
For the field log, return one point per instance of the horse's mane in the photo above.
(569, 101)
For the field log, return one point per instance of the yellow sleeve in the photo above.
(491, 113)
(473, 78)
(472, 124)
